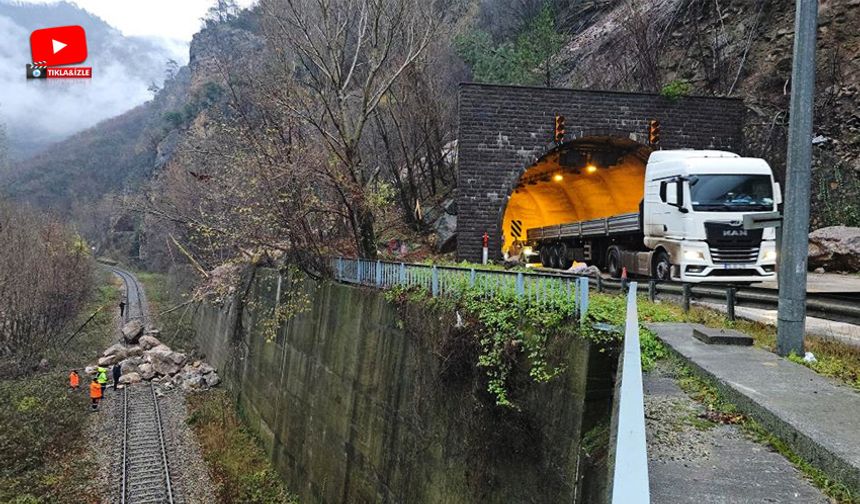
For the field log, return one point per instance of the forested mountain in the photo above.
(38, 114)
(274, 138)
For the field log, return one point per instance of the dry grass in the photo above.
(834, 359)
(239, 467)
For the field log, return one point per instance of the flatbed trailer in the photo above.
(623, 224)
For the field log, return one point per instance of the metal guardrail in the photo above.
(630, 471)
(445, 280)
(829, 306)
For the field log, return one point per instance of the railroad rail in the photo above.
(133, 297)
(145, 465)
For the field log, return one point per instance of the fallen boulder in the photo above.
(212, 379)
(116, 349)
(133, 351)
(146, 372)
(110, 360)
(148, 342)
(129, 378)
(446, 233)
(165, 362)
(132, 331)
(836, 248)
(131, 365)
(161, 347)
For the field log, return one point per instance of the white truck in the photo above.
(689, 226)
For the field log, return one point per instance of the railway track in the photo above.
(135, 308)
(145, 463)
(145, 471)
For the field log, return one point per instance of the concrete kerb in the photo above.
(832, 464)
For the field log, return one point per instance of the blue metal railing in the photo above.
(446, 280)
(630, 471)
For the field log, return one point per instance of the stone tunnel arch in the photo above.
(504, 130)
(593, 176)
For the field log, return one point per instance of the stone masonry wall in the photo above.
(504, 129)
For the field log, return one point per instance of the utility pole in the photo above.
(795, 238)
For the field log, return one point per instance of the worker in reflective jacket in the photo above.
(101, 378)
(95, 394)
(74, 380)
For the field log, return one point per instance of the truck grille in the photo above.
(725, 255)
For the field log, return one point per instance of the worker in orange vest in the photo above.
(95, 394)
(74, 380)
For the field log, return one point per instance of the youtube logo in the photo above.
(53, 47)
(63, 45)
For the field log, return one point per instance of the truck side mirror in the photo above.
(669, 192)
(672, 193)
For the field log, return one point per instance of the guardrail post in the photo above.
(685, 299)
(652, 290)
(339, 268)
(599, 283)
(402, 274)
(520, 284)
(730, 302)
(583, 299)
(435, 283)
(379, 273)
(472, 277)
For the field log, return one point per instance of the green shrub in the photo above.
(676, 89)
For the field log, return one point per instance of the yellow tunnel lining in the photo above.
(577, 196)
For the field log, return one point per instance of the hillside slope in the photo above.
(725, 48)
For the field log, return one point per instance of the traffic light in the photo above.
(654, 133)
(559, 129)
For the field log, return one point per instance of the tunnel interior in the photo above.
(586, 178)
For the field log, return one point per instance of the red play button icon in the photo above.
(62, 45)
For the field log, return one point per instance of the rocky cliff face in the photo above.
(737, 48)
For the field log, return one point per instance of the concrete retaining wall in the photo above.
(352, 406)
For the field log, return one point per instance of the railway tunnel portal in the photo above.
(512, 176)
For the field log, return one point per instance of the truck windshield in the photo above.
(731, 193)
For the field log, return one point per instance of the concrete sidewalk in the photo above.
(817, 417)
(691, 461)
(820, 328)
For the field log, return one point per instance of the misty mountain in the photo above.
(38, 113)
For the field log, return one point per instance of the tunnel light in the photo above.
(590, 168)
(558, 177)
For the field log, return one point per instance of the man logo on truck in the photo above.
(735, 232)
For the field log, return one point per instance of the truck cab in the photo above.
(692, 217)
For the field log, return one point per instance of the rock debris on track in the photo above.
(189, 476)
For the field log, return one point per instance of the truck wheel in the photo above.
(613, 262)
(554, 260)
(563, 262)
(662, 266)
(544, 257)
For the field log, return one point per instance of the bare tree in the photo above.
(348, 54)
(45, 277)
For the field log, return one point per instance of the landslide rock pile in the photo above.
(835, 248)
(142, 357)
